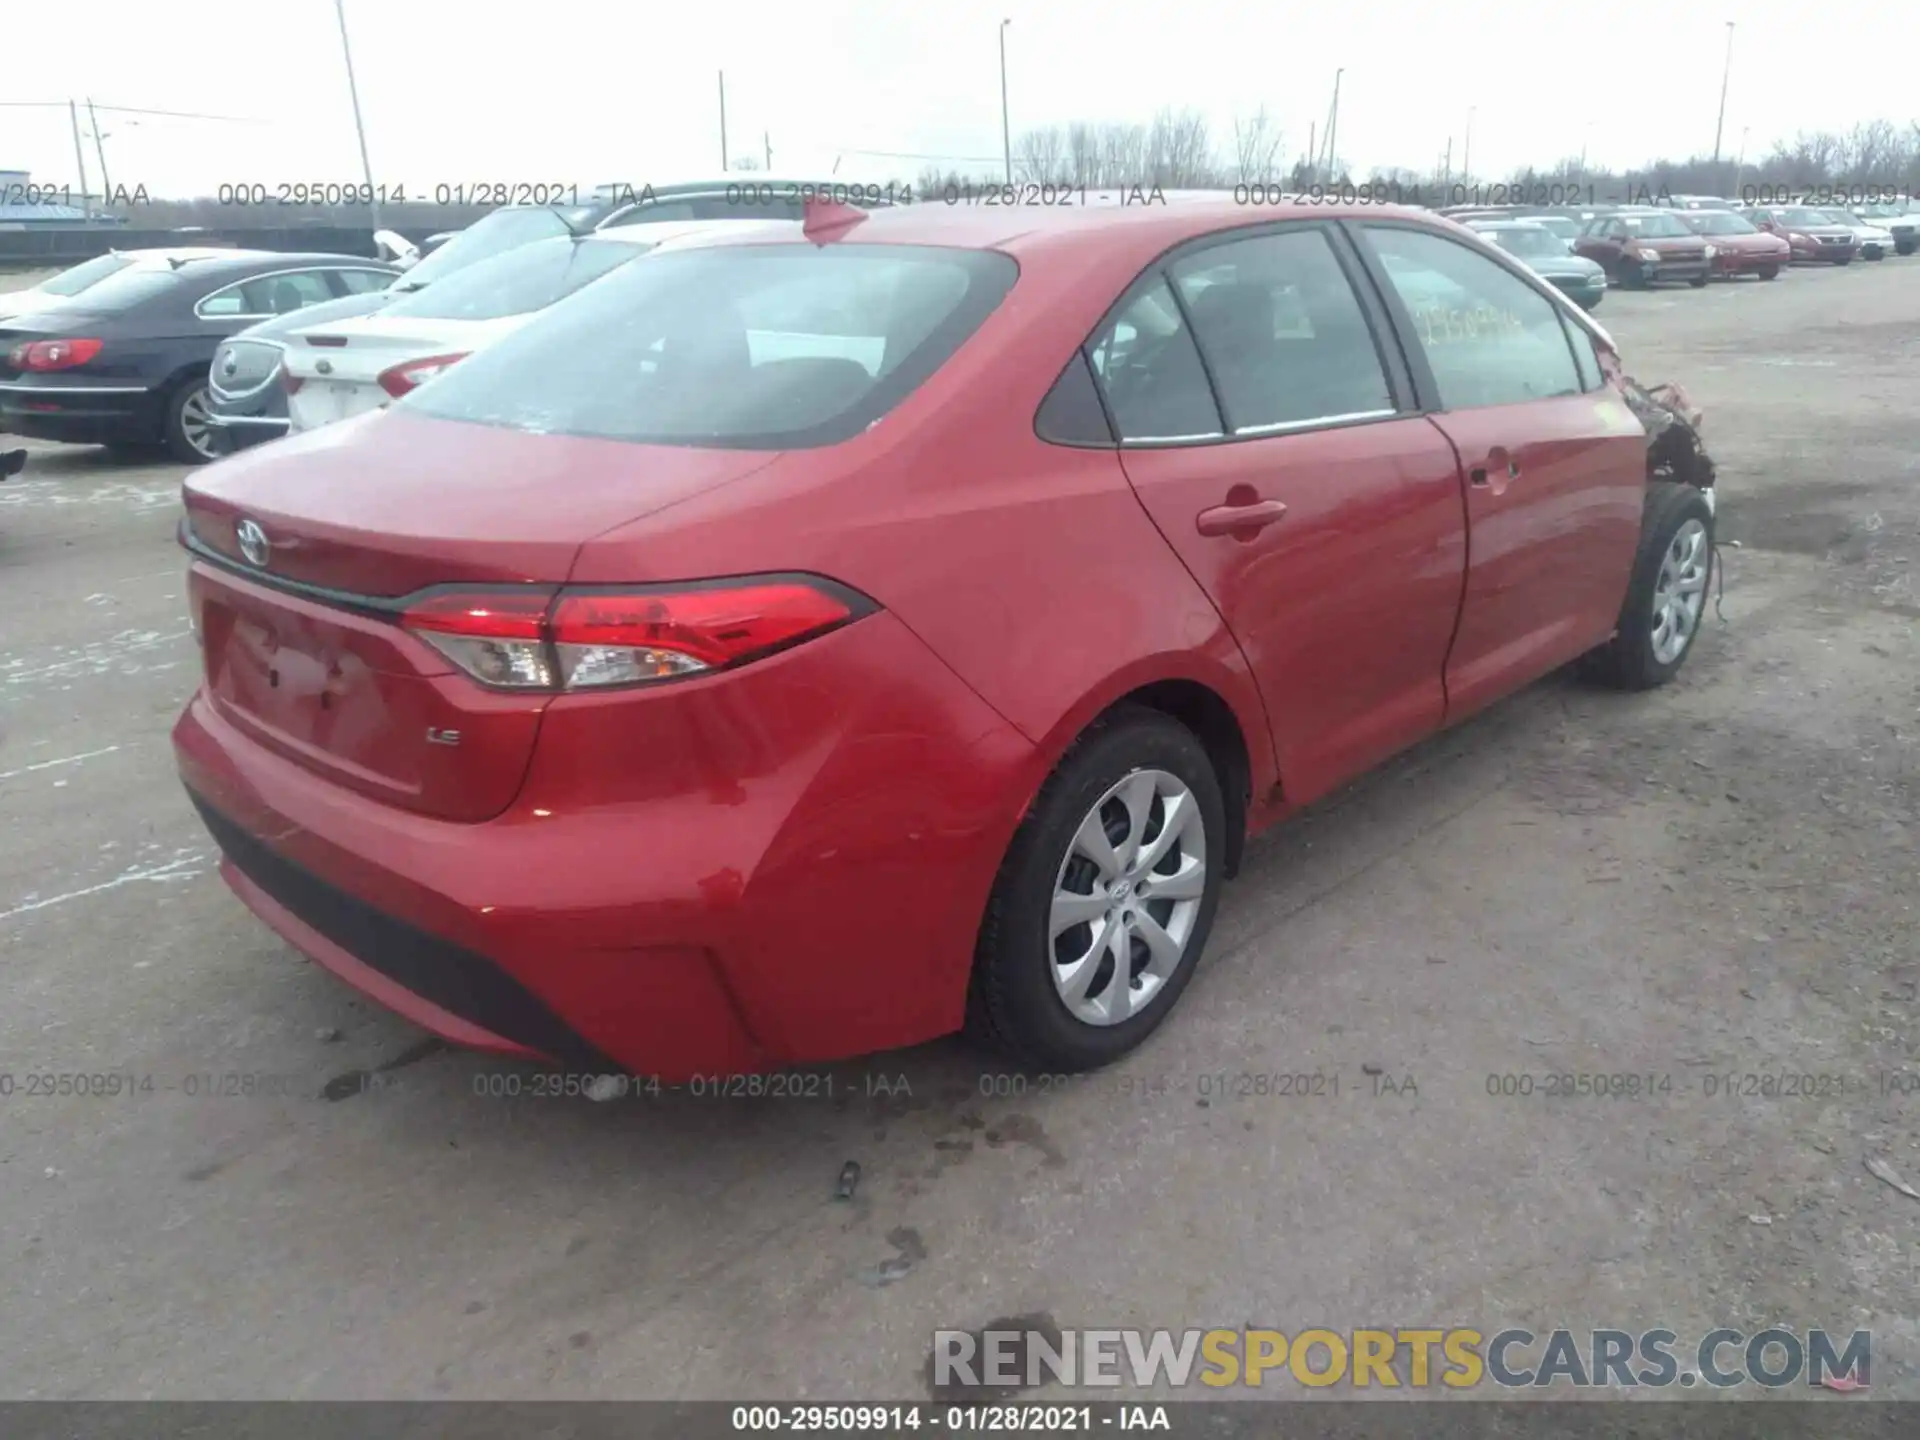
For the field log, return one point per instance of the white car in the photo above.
(338, 369)
(1873, 241)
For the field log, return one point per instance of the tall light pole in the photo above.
(1006, 132)
(725, 165)
(359, 125)
(100, 149)
(1333, 124)
(1740, 162)
(1466, 150)
(1725, 74)
(80, 159)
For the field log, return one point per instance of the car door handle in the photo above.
(1240, 518)
(1496, 472)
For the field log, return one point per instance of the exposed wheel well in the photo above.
(1213, 722)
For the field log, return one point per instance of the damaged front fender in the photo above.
(1672, 421)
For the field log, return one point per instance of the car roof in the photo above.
(1502, 222)
(1016, 230)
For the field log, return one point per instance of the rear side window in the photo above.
(740, 346)
(268, 295)
(363, 282)
(1488, 336)
(529, 278)
(1283, 335)
(1145, 361)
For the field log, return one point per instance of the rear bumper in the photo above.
(784, 865)
(76, 415)
(247, 420)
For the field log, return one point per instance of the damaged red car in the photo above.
(1646, 247)
(1740, 248)
(840, 635)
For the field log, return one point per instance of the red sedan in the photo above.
(811, 643)
(1740, 248)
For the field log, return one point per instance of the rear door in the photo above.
(1272, 440)
(1556, 463)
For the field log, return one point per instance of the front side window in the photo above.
(1284, 337)
(529, 278)
(284, 294)
(1488, 336)
(737, 346)
(1150, 372)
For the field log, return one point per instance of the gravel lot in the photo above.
(1716, 879)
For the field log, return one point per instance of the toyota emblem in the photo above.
(253, 543)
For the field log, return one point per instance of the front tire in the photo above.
(1847, 261)
(1666, 594)
(189, 435)
(1769, 272)
(1105, 898)
(1699, 282)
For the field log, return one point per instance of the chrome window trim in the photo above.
(199, 313)
(75, 389)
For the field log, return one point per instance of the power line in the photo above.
(912, 155)
(134, 110)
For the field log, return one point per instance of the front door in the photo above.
(1556, 464)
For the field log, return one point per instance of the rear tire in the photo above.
(1047, 969)
(1847, 261)
(1666, 594)
(1769, 272)
(1699, 282)
(188, 436)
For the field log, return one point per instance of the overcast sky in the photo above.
(590, 90)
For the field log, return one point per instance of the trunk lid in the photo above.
(339, 366)
(305, 652)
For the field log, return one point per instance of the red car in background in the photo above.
(1812, 237)
(1740, 248)
(813, 643)
(1644, 247)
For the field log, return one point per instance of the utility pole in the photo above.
(1333, 128)
(1313, 155)
(80, 159)
(1466, 150)
(100, 149)
(359, 125)
(766, 142)
(1446, 165)
(1725, 74)
(724, 166)
(1006, 132)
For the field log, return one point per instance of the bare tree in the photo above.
(1256, 148)
(1040, 156)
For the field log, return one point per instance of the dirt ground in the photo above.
(1715, 880)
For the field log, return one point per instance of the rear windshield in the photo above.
(529, 278)
(1718, 222)
(492, 235)
(1526, 240)
(132, 285)
(72, 282)
(756, 347)
(1659, 226)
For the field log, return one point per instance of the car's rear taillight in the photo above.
(536, 638)
(415, 373)
(43, 355)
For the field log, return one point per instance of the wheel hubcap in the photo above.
(194, 423)
(1680, 592)
(1126, 897)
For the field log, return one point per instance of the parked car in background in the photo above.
(124, 362)
(333, 372)
(1899, 219)
(683, 684)
(1871, 241)
(1565, 227)
(1812, 236)
(61, 289)
(1740, 247)
(1695, 202)
(1583, 281)
(1645, 247)
(247, 404)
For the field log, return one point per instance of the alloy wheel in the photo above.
(1127, 897)
(1680, 592)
